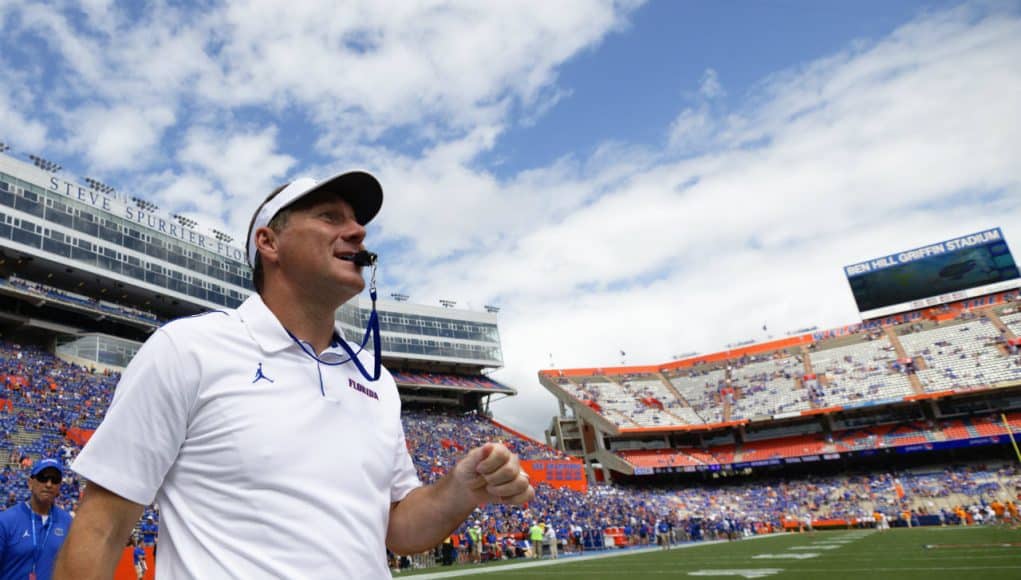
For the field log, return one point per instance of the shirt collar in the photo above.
(265, 328)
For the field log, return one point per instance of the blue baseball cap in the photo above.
(47, 464)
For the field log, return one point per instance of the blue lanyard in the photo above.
(372, 328)
(37, 549)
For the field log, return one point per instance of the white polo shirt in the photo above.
(265, 462)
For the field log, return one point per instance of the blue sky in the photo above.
(629, 87)
(653, 177)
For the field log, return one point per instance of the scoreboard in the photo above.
(947, 271)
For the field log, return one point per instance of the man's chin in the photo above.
(350, 283)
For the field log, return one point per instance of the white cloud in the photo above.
(17, 128)
(695, 128)
(359, 71)
(242, 163)
(691, 129)
(448, 74)
(244, 166)
(710, 87)
(118, 137)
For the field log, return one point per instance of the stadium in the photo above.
(904, 419)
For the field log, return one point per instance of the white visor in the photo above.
(358, 188)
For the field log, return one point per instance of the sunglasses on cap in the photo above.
(47, 478)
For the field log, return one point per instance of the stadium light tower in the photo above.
(98, 185)
(448, 303)
(222, 236)
(185, 221)
(45, 164)
(145, 204)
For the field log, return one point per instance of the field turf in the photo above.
(919, 553)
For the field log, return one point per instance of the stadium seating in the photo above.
(633, 401)
(1013, 322)
(961, 356)
(882, 437)
(701, 389)
(963, 352)
(660, 405)
(768, 388)
(859, 372)
(423, 379)
(786, 447)
(100, 306)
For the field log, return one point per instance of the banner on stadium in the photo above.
(556, 473)
(14, 381)
(887, 401)
(80, 436)
(155, 220)
(939, 248)
(953, 444)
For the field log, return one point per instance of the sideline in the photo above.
(567, 560)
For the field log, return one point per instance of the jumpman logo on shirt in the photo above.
(259, 375)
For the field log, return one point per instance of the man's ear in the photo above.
(266, 243)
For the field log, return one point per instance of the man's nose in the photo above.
(355, 233)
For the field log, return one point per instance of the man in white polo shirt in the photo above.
(271, 450)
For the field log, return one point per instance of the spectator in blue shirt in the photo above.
(149, 529)
(663, 534)
(138, 556)
(32, 533)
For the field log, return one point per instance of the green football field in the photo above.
(920, 553)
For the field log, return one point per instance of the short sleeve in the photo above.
(405, 478)
(146, 424)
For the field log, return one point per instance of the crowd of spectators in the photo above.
(46, 400)
(474, 382)
(438, 438)
(605, 516)
(54, 293)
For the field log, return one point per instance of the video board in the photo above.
(947, 271)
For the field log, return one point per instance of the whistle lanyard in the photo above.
(372, 328)
(37, 547)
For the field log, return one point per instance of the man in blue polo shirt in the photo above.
(149, 529)
(32, 532)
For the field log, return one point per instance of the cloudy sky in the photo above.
(655, 178)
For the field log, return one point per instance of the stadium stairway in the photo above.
(806, 360)
(916, 383)
(999, 324)
(728, 381)
(631, 422)
(672, 389)
(24, 440)
(972, 430)
(677, 420)
(824, 384)
(620, 418)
